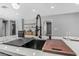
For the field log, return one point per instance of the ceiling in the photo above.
(30, 10)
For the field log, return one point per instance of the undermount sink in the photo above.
(35, 44)
(27, 43)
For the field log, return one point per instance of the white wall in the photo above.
(64, 24)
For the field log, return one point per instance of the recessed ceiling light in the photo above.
(16, 5)
(4, 6)
(52, 7)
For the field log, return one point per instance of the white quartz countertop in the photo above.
(13, 50)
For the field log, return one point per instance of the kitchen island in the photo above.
(23, 51)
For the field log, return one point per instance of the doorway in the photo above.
(13, 28)
(4, 27)
(49, 28)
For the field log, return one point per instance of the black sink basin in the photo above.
(35, 44)
(27, 43)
